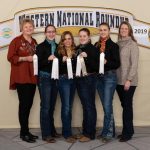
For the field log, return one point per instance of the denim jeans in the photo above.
(126, 99)
(86, 88)
(67, 92)
(106, 85)
(48, 94)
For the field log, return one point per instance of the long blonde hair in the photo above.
(61, 47)
(130, 30)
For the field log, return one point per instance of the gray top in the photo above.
(129, 56)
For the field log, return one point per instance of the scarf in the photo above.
(53, 46)
(103, 44)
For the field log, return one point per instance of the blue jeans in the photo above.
(67, 92)
(48, 94)
(106, 85)
(86, 88)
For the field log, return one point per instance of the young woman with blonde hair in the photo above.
(107, 80)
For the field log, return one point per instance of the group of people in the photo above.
(105, 66)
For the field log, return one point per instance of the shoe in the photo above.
(49, 139)
(77, 136)
(99, 137)
(106, 139)
(56, 135)
(33, 136)
(119, 136)
(27, 138)
(125, 139)
(70, 139)
(84, 139)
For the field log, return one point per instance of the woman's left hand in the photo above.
(127, 85)
(51, 57)
(64, 58)
(83, 54)
(29, 58)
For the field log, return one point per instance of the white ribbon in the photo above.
(35, 64)
(69, 68)
(55, 71)
(83, 67)
(101, 65)
(80, 66)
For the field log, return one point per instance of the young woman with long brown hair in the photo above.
(66, 84)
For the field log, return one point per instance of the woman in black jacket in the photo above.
(47, 87)
(86, 83)
(66, 82)
(107, 79)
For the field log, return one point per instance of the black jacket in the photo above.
(111, 55)
(92, 59)
(63, 65)
(43, 51)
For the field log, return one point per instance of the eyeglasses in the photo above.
(50, 31)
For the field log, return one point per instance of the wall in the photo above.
(9, 100)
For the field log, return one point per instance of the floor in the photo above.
(9, 140)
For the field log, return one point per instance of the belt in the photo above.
(88, 74)
(107, 72)
(110, 71)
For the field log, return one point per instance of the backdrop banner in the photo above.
(72, 19)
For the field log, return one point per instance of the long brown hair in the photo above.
(130, 30)
(61, 46)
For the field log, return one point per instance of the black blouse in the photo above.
(43, 51)
(92, 59)
(111, 55)
(63, 65)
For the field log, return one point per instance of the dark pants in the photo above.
(67, 92)
(48, 94)
(86, 88)
(26, 94)
(126, 98)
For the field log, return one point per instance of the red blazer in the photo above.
(21, 72)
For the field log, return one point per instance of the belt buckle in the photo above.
(101, 74)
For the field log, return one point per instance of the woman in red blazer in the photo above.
(20, 55)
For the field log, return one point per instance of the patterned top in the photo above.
(21, 72)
